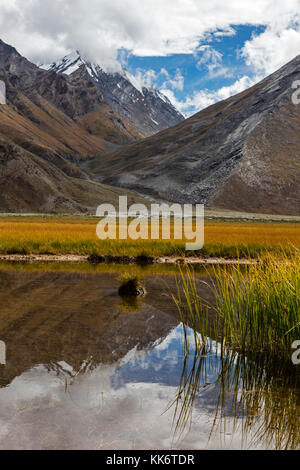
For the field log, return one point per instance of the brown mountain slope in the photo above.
(240, 154)
(49, 114)
(29, 184)
(51, 126)
(48, 133)
(78, 97)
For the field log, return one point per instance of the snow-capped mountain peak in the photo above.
(69, 64)
(145, 108)
(73, 61)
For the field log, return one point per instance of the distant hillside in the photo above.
(240, 154)
(51, 126)
(49, 113)
(30, 184)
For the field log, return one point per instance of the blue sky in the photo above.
(196, 52)
(217, 63)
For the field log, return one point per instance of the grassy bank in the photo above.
(258, 307)
(34, 235)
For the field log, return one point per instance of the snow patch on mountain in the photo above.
(143, 107)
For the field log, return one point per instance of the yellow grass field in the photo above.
(38, 235)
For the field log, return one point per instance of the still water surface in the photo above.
(87, 370)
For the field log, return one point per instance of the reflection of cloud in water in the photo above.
(123, 405)
(91, 414)
(118, 405)
(163, 364)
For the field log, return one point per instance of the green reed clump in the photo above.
(258, 307)
(193, 309)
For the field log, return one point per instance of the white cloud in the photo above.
(44, 30)
(212, 60)
(204, 98)
(176, 82)
(272, 49)
(143, 78)
(149, 78)
(227, 32)
(209, 57)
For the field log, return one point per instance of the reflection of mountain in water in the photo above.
(86, 371)
(77, 319)
(162, 364)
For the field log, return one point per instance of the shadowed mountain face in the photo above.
(145, 109)
(29, 184)
(240, 154)
(45, 110)
(50, 128)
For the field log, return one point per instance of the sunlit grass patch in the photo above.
(258, 307)
(78, 236)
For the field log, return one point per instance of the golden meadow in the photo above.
(258, 307)
(71, 235)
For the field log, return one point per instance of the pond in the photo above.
(87, 370)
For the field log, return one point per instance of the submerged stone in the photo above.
(132, 288)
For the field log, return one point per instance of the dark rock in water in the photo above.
(132, 288)
(96, 259)
(144, 259)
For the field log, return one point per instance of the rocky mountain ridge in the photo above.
(144, 108)
(239, 154)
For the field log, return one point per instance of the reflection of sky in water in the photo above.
(122, 405)
(109, 386)
(163, 364)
